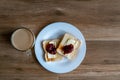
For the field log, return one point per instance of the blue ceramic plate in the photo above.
(56, 30)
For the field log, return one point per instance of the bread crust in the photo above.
(63, 42)
(58, 56)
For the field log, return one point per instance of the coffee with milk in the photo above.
(22, 39)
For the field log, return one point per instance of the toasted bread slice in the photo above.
(69, 39)
(51, 57)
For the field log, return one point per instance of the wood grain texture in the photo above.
(102, 61)
(98, 20)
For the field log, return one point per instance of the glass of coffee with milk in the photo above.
(23, 39)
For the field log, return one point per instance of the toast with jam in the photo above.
(68, 46)
(49, 47)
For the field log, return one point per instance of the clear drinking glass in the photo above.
(23, 39)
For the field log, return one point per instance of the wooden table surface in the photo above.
(98, 20)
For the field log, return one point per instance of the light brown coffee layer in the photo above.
(22, 39)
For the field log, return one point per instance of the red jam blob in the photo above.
(68, 48)
(51, 49)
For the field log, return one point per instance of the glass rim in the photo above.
(32, 42)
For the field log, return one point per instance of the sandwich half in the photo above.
(49, 47)
(69, 46)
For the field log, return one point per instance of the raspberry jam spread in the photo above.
(51, 49)
(68, 48)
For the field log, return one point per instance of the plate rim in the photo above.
(72, 27)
